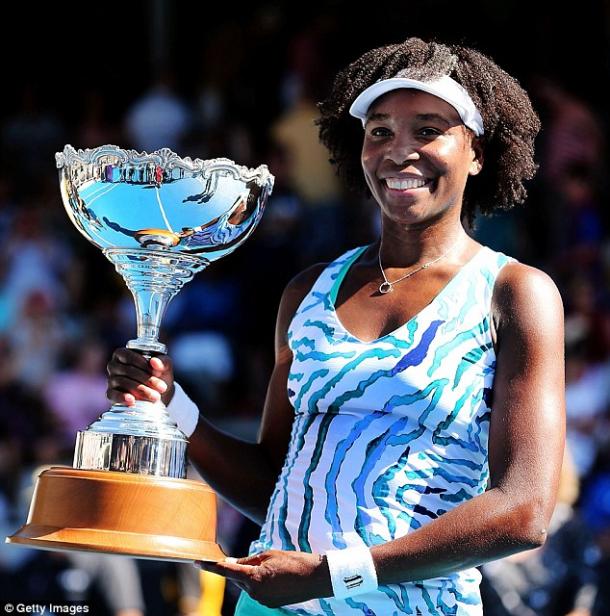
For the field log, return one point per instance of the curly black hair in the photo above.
(509, 120)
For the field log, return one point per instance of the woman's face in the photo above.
(417, 156)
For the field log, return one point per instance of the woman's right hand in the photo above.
(132, 377)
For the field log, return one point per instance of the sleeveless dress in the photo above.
(388, 435)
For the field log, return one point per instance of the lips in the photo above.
(409, 183)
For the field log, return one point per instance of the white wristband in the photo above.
(352, 571)
(183, 411)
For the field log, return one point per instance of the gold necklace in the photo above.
(387, 286)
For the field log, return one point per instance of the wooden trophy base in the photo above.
(122, 513)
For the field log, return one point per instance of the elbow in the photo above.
(528, 525)
(534, 537)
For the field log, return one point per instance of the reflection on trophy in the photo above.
(160, 219)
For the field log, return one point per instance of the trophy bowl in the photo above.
(159, 219)
(123, 199)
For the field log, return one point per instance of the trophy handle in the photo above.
(154, 277)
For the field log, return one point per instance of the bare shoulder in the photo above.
(293, 295)
(301, 284)
(526, 297)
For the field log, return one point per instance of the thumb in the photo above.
(252, 560)
(157, 364)
(227, 567)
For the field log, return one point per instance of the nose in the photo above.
(402, 149)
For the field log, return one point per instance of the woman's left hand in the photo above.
(276, 578)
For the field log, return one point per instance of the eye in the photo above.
(428, 131)
(380, 131)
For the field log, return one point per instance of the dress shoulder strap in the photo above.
(328, 281)
(346, 262)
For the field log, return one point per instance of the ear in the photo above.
(477, 161)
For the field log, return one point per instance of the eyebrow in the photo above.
(433, 116)
(377, 116)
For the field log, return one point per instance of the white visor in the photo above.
(445, 88)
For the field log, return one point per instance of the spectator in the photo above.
(77, 395)
(159, 119)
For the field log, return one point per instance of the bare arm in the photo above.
(526, 443)
(244, 473)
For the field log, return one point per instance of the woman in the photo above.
(414, 422)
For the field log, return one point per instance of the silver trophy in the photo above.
(159, 219)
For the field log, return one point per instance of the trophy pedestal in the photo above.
(122, 513)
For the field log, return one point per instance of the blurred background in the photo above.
(241, 81)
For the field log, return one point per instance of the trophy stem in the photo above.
(154, 277)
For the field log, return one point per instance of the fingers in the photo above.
(121, 398)
(138, 376)
(230, 570)
(135, 373)
(266, 577)
(252, 560)
(240, 579)
(119, 388)
(132, 377)
(130, 358)
(160, 365)
(163, 370)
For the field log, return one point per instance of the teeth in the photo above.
(405, 184)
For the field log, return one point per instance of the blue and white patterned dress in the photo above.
(388, 435)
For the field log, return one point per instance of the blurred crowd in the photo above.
(63, 310)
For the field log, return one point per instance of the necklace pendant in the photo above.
(385, 287)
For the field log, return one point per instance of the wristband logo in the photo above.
(353, 581)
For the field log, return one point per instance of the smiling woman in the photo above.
(414, 422)
(488, 100)
(417, 155)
